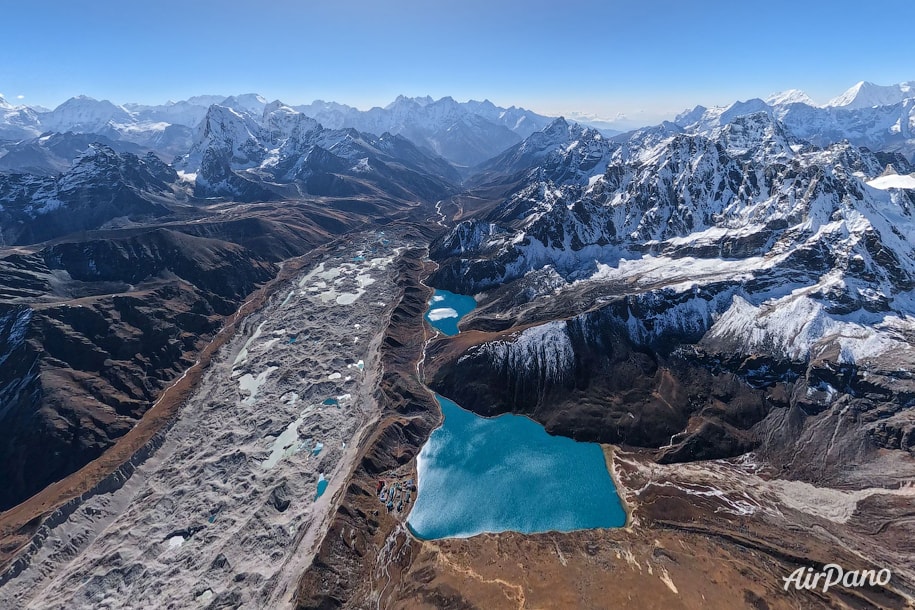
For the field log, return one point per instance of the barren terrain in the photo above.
(227, 511)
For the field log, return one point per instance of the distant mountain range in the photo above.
(464, 133)
(880, 118)
(245, 148)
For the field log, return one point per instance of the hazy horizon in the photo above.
(642, 116)
(644, 61)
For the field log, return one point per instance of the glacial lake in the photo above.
(446, 309)
(506, 473)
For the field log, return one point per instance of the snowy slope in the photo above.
(867, 95)
(782, 232)
(237, 154)
(880, 118)
(791, 96)
(102, 185)
(893, 181)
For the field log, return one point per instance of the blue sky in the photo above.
(640, 58)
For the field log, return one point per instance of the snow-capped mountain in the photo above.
(745, 213)
(165, 129)
(869, 95)
(100, 187)
(737, 257)
(563, 152)
(284, 153)
(85, 114)
(464, 133)
(791, 96)
(889, 127)
(185, 112)
(251, 103)
(17, 122)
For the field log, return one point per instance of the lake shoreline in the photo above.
(534, 445)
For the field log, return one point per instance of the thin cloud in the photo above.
(20, 97)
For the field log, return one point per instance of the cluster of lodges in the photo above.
(395, 495)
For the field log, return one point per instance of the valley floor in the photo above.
(230, 508)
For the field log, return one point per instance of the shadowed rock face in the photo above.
(102, 185)
(98, 368)
(587, 378)
(78, 375)
(699, 294)
(223, 269)
(284, 153)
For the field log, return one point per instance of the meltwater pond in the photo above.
(506, 473)
(447, 308)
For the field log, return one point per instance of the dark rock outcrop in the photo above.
(78, 375)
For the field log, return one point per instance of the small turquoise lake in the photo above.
(446, 309)
(506, 473)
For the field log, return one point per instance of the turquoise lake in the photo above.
(505, 473)
(322, 486)
(446, 309)
(478, 474)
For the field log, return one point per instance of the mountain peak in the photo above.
(558, 124)
(83, 101)
(401, 98)
(866, 94)
(406, 100)
(277, 105)
(791, 96)
(97, 152)
(688, 117)
(251, 103)
(757, 131)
